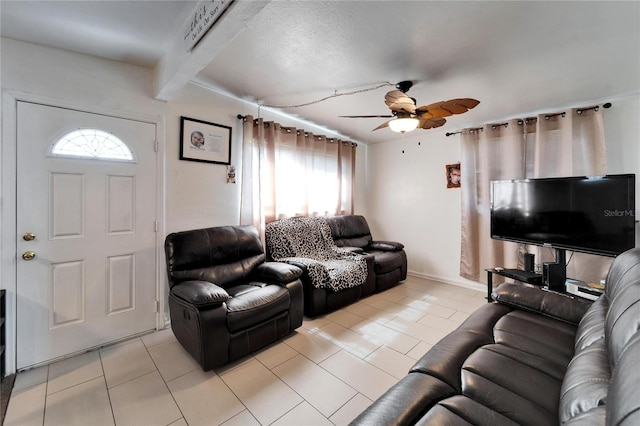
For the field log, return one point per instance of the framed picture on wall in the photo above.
(453, 175)
(204, 142)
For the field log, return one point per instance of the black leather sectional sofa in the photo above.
(531, 357)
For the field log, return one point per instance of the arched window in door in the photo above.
(92, 143)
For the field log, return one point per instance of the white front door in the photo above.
(86, 229)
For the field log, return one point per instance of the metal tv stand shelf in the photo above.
(515, 274)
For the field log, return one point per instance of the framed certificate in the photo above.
(204, 142)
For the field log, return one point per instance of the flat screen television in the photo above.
(590, 214)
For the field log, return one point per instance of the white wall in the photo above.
(409, 201)
(197, 193)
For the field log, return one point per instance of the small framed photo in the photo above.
(204, 142)
(453, 175)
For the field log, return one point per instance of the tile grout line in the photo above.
(163, 381)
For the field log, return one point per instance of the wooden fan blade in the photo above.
(460, 106)
(392, 96)
(430, 123)
(382, 126)
(433, 110)
(366, 116)
(398, 101)
(446, 108)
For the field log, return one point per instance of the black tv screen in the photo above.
(591, 214)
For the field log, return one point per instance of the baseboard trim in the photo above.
(466, 284)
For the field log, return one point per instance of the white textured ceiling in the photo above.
(515, 57)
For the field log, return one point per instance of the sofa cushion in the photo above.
(623, 403)
(461, 410)
(445, 359)
(591, 327)
(586, 383)
(623, 318)
(545, 337)
(222, 255)
(349, 230)
(253, 303)
(406, 401)
(548, 303)
(504, 384)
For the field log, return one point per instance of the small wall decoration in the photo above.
(204, 142)
(231, 174)
(453, 175)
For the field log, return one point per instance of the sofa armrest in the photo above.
(385, 245)
(200, 293)
(276, 272)
(406, 401)
(535, 299)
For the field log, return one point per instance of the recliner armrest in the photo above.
(200, 293)
(385, 245)
(276, 272)
(356, 250)
(535, 299)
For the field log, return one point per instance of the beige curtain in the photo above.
(568, 144)
(289, 172)
(492, 152)
(564, 144)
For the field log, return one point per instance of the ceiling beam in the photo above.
(178, 65)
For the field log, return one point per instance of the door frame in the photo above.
(8, 210)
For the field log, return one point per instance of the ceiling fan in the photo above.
(408, 117)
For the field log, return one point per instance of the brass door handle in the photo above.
(28, 236)
(29, 255)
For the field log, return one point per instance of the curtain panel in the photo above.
(548, 145)
(289, 172)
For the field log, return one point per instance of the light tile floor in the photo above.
(324, 373)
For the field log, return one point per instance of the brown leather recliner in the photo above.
(390, 259)
(225, 300)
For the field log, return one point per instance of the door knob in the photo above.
(28, 255)
(28, 236)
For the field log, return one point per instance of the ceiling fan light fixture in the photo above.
(402, 125)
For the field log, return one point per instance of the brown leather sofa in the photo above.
(386, 265)
(390, 259)
(225, 300)
(532, 357)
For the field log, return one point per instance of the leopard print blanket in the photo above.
(307, 240)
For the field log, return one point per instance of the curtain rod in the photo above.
(330, 140)
(579, 111)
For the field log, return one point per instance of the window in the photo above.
(92, 143)
(306, 182)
